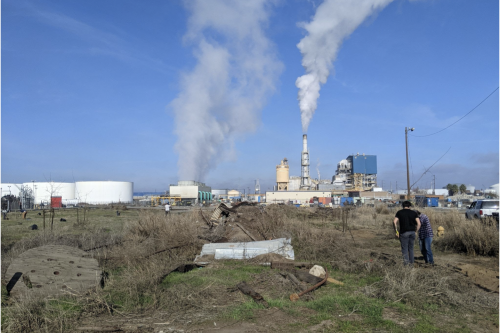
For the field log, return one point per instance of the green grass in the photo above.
(65, 305)
(229, 273)
(345, 306)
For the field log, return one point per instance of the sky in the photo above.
(160, 91)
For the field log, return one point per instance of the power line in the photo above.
(421, 136)
(427, 170)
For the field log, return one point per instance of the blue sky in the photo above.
(88, 90)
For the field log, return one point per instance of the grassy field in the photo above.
(143, 292)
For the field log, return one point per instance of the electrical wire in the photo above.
(421, 136)
(427, 170)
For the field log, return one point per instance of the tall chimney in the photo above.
(305, 182)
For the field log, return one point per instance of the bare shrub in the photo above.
(156, 232)
(268, 223)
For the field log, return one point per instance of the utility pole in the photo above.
(407, 165)
(434, 185)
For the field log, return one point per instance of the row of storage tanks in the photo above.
(90, 192)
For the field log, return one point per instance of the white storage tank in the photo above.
(104, 192)
(11, 189)
(44, 190)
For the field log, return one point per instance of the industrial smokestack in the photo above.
(305, 182)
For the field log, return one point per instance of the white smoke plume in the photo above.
(333, 22)
(222, 96)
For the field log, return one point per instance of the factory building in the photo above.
(219, 194)
(357, 172)
(190, 190)
(296, 197)
(294, 183)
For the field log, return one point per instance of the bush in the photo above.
(471, 237)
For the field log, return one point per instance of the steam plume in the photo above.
(333, 22)
(222, 96)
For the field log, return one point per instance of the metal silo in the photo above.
(282, 175)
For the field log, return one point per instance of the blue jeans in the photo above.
(425, 248)
(407, 240)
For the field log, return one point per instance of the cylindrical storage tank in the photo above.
(45, 190)
(104, 192)
(11, 189)
(282, 172)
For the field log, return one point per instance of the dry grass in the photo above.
(435, 285)
(472, 237)
(142, 255)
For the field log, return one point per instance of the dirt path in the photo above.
(483, 271)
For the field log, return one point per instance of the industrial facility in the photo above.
(56, 194)
(357, 173)
(191, 191)
(354, 182)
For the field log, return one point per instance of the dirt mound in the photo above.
(483, 277)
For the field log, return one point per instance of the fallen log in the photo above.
(247, 290)
(295, 297)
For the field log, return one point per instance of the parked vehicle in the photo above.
(482, 209)
(495, 216)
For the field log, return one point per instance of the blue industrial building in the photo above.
(365, 164)
(357, 172)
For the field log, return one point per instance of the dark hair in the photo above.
(418, 213)
(406, 204)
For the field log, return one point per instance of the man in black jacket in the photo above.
(409, 223)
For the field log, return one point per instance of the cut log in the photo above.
(247, 290)
(296, 282)
(306, 277)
